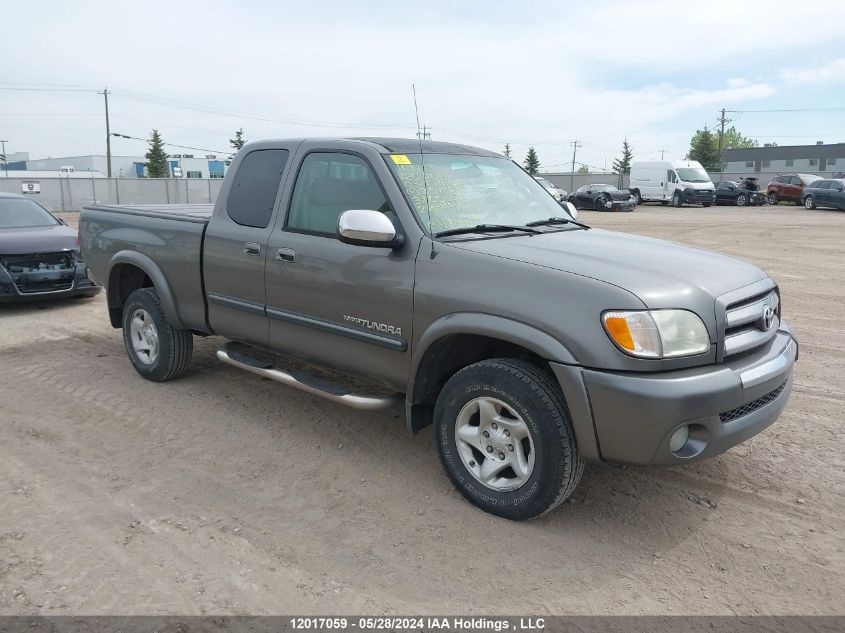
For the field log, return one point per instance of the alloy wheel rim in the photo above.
(144, 336)
(495, 444)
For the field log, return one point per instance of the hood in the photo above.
(37, 239)
(662, 274)
(698, 185)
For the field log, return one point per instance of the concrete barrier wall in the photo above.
(71, 194)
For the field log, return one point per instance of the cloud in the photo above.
(829, 72)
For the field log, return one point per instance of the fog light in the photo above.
(678, 439)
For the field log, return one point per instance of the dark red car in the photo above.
(789, 187)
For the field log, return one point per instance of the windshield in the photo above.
(17, 212)
(545, 183)
(693, 174)
(465, 191)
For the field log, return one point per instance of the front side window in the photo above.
(254, 189)
(465, 190)
(18, 213)
(821, 184)
(327, 185)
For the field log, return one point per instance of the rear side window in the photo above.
(256, 184)
(329, 184)
(795, 180)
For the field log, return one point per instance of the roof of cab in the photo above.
(412, 146)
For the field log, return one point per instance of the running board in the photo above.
(306, 382)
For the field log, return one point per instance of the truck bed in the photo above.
(185, 212)
(164, 239)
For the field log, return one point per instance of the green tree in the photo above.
(237, 143)
(532, 162)
(156, 157)
(623, 165)
(507, 150)
(733, 139)
(583, 170)
(704, 148)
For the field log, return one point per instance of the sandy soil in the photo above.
(223, 493)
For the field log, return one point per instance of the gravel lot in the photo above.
(224, 493)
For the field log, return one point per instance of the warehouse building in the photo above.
(180, 165)
(821, 159)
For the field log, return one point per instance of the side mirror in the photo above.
(363, 227)
(570, 209)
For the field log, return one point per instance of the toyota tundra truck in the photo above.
(446, 278)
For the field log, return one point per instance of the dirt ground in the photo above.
(221, 493)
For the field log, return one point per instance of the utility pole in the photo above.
(661, 153)
(575, 145)
(105, 94)
(424, 134)
(722, 121)
(5, 160)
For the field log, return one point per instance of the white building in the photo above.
(180, 165)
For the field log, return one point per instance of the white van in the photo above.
(675, 181)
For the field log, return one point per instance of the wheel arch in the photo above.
(457, 340)
(128, 271)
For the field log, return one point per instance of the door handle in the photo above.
(252, 248)
(285, 254)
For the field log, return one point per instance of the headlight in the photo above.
(657, 333)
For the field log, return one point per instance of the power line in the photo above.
(145, 140)
(835, 109)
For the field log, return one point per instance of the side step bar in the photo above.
(304, 382)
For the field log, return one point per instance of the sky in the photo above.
(486, 73)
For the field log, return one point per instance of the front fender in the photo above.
(152, 270)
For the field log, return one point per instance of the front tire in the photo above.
(638, 197)
(676, 199)
(741, 200)
(506, 440)
(158, 351)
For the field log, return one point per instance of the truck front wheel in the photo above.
(158, 351)
(506, 440)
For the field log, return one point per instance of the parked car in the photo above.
(730, 192)
(789, 187)
(39, 254)
(677, 182)
(531, 342)
(557, 193)
(603, 198)
(828, 194)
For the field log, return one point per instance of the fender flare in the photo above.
(479, 324)
(152, 270)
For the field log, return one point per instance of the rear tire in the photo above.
(158, 351)
(809, 203)
(492, 396)
(773, 198)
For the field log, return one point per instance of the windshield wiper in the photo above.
(486, 228)
(551, 221)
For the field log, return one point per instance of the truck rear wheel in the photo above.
(158, 351)
(505, 438)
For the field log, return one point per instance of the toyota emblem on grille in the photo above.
(768, 317)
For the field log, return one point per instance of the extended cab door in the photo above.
(235, 246)
(336, 304)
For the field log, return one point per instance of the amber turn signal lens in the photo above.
(618, 329)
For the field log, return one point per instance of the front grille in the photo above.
(41, 272)
(751, 407)
(745, 326)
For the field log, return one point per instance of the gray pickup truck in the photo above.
(451, 280)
